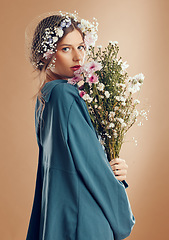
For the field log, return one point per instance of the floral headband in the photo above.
(53, 33)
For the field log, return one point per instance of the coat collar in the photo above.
(47, 89)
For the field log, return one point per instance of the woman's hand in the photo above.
(119, 168)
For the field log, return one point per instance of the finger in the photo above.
(121, 178)
(118, 167)
(117, 161)
(122, 165)
(120, 172)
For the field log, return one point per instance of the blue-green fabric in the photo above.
(77, 196)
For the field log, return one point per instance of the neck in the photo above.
(50, 76)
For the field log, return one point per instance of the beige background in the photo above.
(141, 28)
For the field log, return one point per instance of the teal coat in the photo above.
(77, 196)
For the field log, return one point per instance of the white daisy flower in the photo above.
(107, 94)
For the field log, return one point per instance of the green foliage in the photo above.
(112, 109)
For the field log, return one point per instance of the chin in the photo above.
(70, 76)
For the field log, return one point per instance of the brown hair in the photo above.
(36, 55)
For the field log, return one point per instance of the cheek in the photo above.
(60, 60)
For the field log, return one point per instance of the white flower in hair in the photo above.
(85, 24)
(59, 32)
(55, 39)
(52, 33)
(48, 54)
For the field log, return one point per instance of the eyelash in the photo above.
(82, 46)
(63, 49)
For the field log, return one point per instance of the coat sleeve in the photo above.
(95, 171)
(33, 228)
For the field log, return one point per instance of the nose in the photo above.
(77, 56)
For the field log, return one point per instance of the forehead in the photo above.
(72, 38)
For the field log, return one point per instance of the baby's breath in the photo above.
(110, 101)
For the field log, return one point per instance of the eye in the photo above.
(81, 47)
(65, 49)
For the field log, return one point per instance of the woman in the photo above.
(78, 194)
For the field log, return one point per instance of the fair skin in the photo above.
(71, 52)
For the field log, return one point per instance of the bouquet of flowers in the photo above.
(104, 84)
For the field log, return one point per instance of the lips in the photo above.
(75, 67)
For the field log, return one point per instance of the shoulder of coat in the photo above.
(65, 91)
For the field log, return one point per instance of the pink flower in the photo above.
(92, 79)
(89, 39)
(48, 54)
(75, 79)
(78, 72)
(90, 67)
(82, 93)
(94, 66)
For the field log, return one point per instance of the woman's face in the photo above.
(70, 53)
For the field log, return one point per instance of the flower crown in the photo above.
(53, 33)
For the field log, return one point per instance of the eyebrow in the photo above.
(70, 44)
